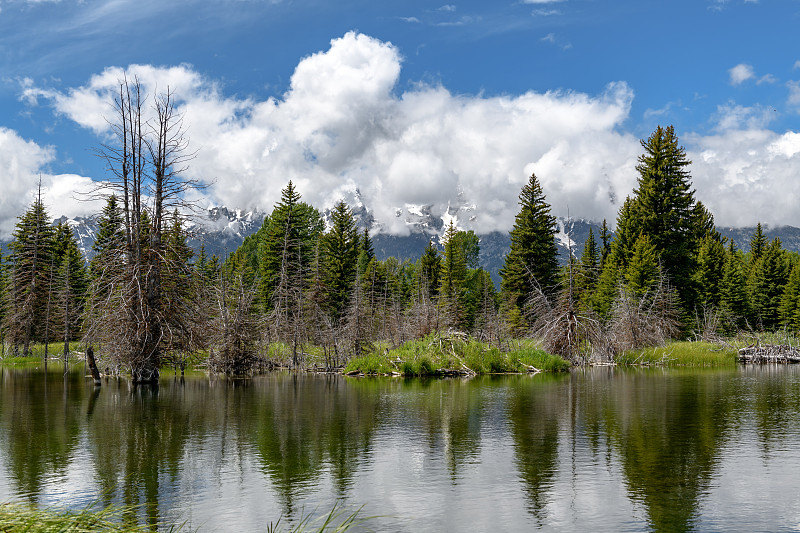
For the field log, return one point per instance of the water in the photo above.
(602, 449)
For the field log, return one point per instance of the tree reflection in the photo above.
(40, 426)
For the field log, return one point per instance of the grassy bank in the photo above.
(436, 355)
(681, 354)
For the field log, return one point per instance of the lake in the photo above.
(601, 449)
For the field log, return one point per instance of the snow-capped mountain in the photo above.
(219, 229)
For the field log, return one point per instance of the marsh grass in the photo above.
(336, 521)
(21, 517)
(438, 354)
(681, 354)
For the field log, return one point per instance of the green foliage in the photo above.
(768, 275)
(532, 260)
(32, 263)
(789, 310)
(758, 244)
(733, 291)
(710, 271)
(643, 270)
(664, 209)
(685, 354)
(429, 268)
(19, 517)
(435, 354)
(288, 244)
(341, 250)
(588, 271)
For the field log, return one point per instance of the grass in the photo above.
(681, 354)
(436, 354)
(20, 517)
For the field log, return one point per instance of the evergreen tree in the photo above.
(758, 244)
(710, 270)
(643, 269)
(429, 270)
(605, 240)
(31, 260)
(664, 209)
(532, 261)
(341, 249)
(765, 285)
(733, 292)
(789, 310)
(454, 275)
(71, 284)
(288, 246)
(588, 271)
(366, 254)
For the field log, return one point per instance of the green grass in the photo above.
(436, 354)
(20, 517)
(681, 354)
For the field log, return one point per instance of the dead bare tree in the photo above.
(127, 315)
(235, 328)
(646, 320)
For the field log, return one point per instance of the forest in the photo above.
(304, 293)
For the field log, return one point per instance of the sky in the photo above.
(412, 103)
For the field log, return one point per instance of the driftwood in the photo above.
(769, 353)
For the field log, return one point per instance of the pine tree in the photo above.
(789, 310)
(367, 252)
(733, 292)
(605, 240)
(454, 276)
(288, 246)
(428, 270)
(588, 271)
(532, 261)
(643, 270)
(664, 209)
(31, 259)
(710, 271)
(758, 244)
(340, 250)
(71, 284)
(765, 284)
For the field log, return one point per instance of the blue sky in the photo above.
(451, 105)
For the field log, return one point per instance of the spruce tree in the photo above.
(588, 270)
(31, 261)
(664, 209)
(605, 241)
(288, 246)
(766, 283)
(429, 269)
(532, 261)
(454, 276)
(643, 270)
(340, 250)
(789, 310)
(710, 271)
(758, 244)
(733, 292)
(71, 284)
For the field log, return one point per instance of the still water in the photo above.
(602, 449)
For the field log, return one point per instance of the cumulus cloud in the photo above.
(342, 125)
(736, 117)
(748, 175)
(741, 73)
(21, 164)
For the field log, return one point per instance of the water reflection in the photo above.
(598, 449)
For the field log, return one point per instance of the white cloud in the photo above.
(741, 73)
(545, 12)
(794, 93)
(748, 175)
(448, 8)
(341, 125)
(736, 117)
(542, 1)
(797, 64)
(21, 164)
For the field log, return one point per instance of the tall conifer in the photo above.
(532, 261)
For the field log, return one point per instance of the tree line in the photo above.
(299, 285)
